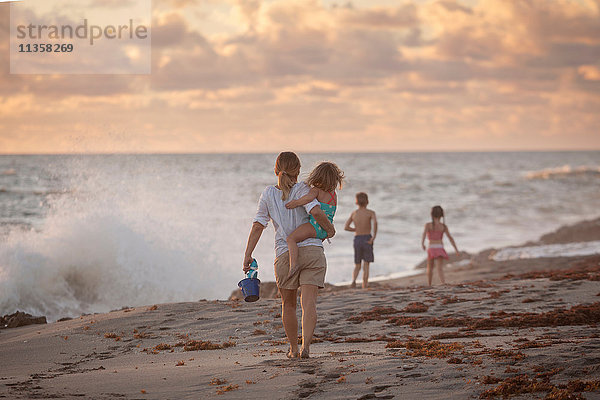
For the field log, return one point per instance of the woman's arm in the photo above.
(255, 233)
(304, 200)
(423, 238)
(451, 239)
(322, 220)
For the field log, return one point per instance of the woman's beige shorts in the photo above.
(312, 264)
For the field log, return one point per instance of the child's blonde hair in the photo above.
(326, 176)
(287, 168)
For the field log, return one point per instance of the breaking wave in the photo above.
(563, 172)
(113, 242)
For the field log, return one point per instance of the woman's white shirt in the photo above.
(271, 207)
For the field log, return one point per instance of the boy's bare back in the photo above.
(362, 218)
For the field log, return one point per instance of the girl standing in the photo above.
(436, 254)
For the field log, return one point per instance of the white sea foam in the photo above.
(92, 263)
(564, 172)
(551, 250)
(109, 244)
(461, 263)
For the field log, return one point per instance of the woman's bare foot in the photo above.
(304, 353)
(291, 354)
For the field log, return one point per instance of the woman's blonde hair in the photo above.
(326, 176)
(287, 168)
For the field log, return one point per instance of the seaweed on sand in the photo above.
(415, 307)
(424, 348)
(583, 314)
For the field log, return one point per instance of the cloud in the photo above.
(288, 40)
(112, 3)
(250, 10)
(171, 30)
(455, 6)
(589, 72)
(404, 16)
(562, 54)
(295, 73)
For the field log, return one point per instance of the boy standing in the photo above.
(363, 241)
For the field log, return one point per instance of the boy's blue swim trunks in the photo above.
(362, 249)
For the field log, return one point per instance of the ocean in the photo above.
(92, 233)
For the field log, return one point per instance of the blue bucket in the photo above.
(250, 289)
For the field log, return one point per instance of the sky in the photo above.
(327, 76)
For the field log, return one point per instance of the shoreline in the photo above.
(456, 268)
(483, 264)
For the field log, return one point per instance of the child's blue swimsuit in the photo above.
(329, 210)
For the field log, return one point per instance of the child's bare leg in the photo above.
(355, 274)
(440, 267)
(429, 271)
(301, 233)
(365, 275)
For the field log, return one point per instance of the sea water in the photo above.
(91, 233)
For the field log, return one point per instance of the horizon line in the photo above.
(101, 153)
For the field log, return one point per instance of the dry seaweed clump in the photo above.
(583, 386)
(515, 386)
(415, 307)
(531, 344)
(454, 335)
(546, 374)
(191, 345)
(162, 347)
(452, 300)
(196, 345)
(583, 314)
(424, 348)
(228, 388)
(490, 380)
(563, 394)
(522, 384)
(584, 270)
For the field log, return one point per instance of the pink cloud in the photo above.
(502, 74)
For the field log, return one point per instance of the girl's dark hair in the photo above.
(437, 212)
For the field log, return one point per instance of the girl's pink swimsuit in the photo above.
(436, 250)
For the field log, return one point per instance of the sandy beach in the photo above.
(522, 328)
(153, 154)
